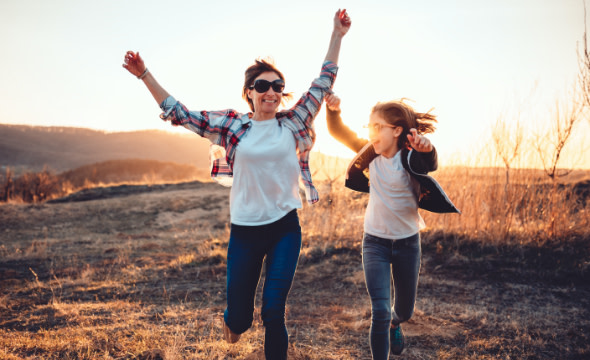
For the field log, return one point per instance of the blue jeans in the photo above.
(280, 243)
(383, 258)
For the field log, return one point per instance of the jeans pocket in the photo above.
(375, 245)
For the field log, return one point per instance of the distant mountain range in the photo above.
(32, 148)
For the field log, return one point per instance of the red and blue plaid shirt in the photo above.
(226, 128)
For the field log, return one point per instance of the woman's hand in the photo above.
(134, 63)
(341, 22)
(333, 102)
(419, 142)
(341, 27)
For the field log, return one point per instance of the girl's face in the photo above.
(383, 135)
(266, 104)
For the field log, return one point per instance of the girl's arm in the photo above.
(423, 163)
(337, 128)
(424, 158)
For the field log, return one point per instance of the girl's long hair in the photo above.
(398, 113)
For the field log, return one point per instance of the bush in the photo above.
(31, 187)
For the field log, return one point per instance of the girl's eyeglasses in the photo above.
(378, 126)
(262, 86)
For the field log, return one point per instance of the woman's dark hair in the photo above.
(397, 113)
(260, 66)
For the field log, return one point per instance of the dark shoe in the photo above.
(396, 340)
(229, 335)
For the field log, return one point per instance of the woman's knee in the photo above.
(238, 323)
(273, 313)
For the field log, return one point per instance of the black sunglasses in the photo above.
(262, 86)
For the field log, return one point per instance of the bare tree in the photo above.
(550, 146)
(508, 142)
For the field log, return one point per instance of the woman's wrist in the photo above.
(140, 77)
(336, 34)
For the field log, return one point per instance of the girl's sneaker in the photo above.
(396, 340)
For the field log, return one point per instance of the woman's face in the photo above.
(383, 135)
(266, 104)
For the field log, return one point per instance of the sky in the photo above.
(470, 60)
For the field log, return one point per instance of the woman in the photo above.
(398, 158)
(265, 152)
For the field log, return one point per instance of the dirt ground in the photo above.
(141, 275)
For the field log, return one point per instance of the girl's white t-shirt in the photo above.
(392, 211)
(265, 175)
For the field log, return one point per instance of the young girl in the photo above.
(398, 158)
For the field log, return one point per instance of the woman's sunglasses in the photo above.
(262, 86)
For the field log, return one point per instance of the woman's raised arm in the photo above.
(341, 26)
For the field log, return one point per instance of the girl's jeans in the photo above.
(280, 243)
(381, 259)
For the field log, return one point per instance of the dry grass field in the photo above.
(138, 272)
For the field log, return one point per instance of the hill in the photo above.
(32, 148)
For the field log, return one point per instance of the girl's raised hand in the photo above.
(333, 102)
(419, 142)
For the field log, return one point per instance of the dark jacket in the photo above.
(431, 196)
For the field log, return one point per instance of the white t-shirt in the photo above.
(266, 175)
(392, 211)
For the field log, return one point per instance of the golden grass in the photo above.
(143, 276)
(498, 206)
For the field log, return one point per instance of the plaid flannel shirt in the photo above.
(225, 128)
